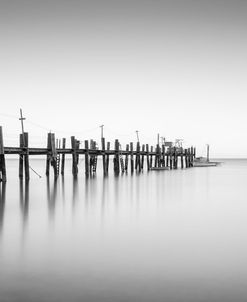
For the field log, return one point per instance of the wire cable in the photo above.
(35, 171)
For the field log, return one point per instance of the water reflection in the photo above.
(154, 237)
(116, 190)
(63, 189)
(51, 197)
(24, 202)
(93, 191)
(86, 192)
(74, 193)
(2, 204)
(103, 196)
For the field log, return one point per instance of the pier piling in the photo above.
(3, 176)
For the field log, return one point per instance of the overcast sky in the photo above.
(174, 67)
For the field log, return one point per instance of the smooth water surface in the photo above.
(159, 236)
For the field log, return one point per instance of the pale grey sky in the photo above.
(173, 67)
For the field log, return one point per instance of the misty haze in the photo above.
(123, 162)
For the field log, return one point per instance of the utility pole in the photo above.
(102, 131)
(158, 139)
(207, 152)
(137, 134)
(22, 126)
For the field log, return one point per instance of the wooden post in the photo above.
(157, 156)
(3, 176)
(116, 157)
(151, 157)
(103, 155)
(192, 155)
(138, 149)
(176, 155)
(108, 157)
(167, 157)
(189, 158)
(26, 157)
(2, 203)
(48, 157)
(121, 160)
(147, 150)
(182, 158)
(95, 158)
(90, 157)
(138, 161)
(170, 155)
(175, 158)
(186, 158)
(72, 140)
(54, 155)
(207, 152)
(143, 153)
(63, 156)
(163, 156)
(58, 146)
(131, 158)
(77, 147)
(127, 157)
(74, 156)
(86, 158)
(21, 159)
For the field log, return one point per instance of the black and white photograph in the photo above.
(123, 155)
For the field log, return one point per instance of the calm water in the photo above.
(158, 236)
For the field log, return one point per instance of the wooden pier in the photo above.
(124, 159)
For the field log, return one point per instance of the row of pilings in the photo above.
(130, 159)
